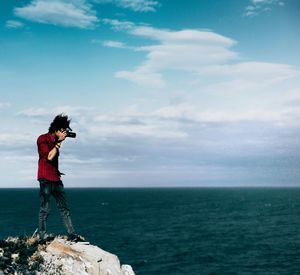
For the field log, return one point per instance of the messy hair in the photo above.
(60, 121)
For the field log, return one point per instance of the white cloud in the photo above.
(17, 158)
(292, 98)
(261, 73)
(183, 36)
(255, 2)
(118, 25)
(138, 5)
(14, 138)
(135, 5)
(14, 24)
(67, 13)
(187, 112)
(142, 77)
(186, 50)
(200, 52)
(134, 124)
(111, 44)
(258, 6)
(43, 111)
(149, 130)
(4, 105)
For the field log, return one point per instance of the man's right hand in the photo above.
(61, 135)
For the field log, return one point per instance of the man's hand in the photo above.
(61, 135)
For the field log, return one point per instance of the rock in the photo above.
(14, 257)
(58, 257)
(127, 269)
(82, 258)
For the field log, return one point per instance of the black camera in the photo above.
(71, 134)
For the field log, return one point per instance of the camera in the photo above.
(71, 134)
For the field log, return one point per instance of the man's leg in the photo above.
(60, 196)
(45, 193)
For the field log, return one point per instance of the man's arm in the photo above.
(61, 138)
(54, 151)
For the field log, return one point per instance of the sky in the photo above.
(161, 93)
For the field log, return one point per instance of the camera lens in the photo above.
(71, 134)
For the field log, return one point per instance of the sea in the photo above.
(174, 231)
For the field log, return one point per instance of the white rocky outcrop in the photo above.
(67, 258)
(57, 256)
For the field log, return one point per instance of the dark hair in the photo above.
(60, 121)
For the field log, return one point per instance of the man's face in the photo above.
(62, 130)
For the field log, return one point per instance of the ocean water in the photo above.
(176, 231)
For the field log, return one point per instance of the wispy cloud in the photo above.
(143, 77)
(114, 44)
(14, 24)
(134, 5)
(286, 117)
(261, 73)
(15, 139)
(111, 44)
(177, 50)
(258, 6)
(67, 13)
(200, 52)
(118, 25)
(42, 111)
(4, 105)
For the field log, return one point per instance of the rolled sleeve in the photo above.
(43, 147)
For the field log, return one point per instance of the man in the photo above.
(49, 176)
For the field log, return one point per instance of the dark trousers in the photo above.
(55, 189)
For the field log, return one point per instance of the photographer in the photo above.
(49, 176)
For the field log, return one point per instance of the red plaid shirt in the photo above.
(47, 169)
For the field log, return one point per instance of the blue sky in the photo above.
(161, 93)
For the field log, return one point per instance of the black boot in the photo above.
(76, 238)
